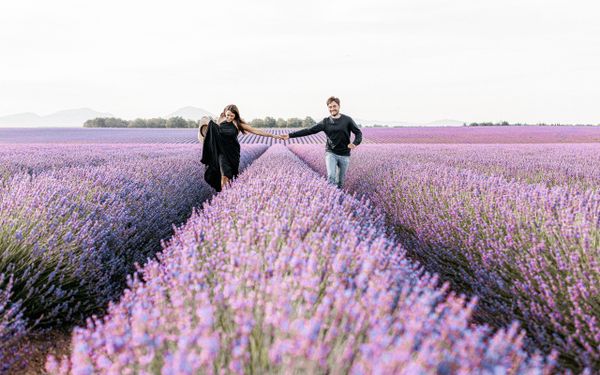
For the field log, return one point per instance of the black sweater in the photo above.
(338, 133)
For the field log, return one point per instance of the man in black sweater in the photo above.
(337, 127)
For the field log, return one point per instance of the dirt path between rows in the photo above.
(35, 348)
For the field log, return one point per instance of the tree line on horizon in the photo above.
(180, 122)
(114, 122)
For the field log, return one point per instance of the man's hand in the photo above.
(351, 146)
(285, 137)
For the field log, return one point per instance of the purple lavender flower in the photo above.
(508, 223)
(275, 285)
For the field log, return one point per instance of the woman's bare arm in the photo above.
(250, 129)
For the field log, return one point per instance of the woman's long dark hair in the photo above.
(237, 120)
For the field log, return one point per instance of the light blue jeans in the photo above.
(336, 168)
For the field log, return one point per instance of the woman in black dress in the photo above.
(221, 148)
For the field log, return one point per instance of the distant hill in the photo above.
(21, 119)
(76, 118)
(190, 113)
(364, 122)
(393, 123)
(445, 122)
(66, 118)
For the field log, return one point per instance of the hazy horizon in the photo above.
(416, 62)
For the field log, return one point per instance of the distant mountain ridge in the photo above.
(392, 123)
(76, 117)
(67, 118)
(446, 122)
(190, 113)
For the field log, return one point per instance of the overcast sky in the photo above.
(417, 61)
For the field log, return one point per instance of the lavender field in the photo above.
(131, 136)
(289, 275)
(75, 219)
(449, 250)
(469, 135)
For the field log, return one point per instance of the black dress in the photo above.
(221, 153)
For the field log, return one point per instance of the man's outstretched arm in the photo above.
(312, 130)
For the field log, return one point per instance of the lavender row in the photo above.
(12, 325)
(548, 164)
(249, 138)
(286, 274)
(37, 158)
(70, 236)
(530, 252)
(485, 134)
(82, 136)
(96, 135)
(442, 134)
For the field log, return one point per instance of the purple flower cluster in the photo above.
(96, 135)
(12, 325)
(441, 134)
(531, 252)
(484, 134)
(69, 235)
(249, 138)
(548, 164)
(36, 158)
(282, 273)
(132, 135)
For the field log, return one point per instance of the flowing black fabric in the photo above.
(229, 149)
(210, 156)
(220, 153)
